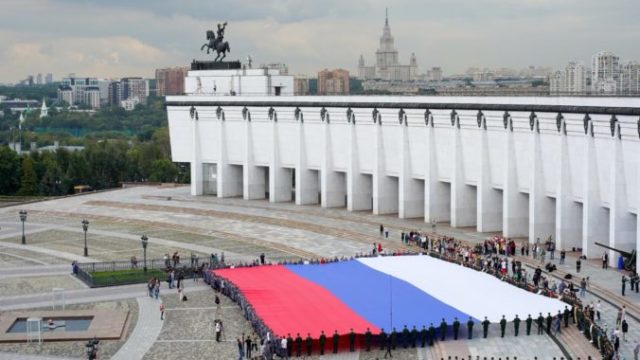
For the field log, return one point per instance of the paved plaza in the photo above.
(242, 230)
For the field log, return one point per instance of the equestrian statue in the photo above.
(217, 43)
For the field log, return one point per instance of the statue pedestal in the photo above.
(215, 65)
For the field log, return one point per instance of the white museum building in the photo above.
(526, 166)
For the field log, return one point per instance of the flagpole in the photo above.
(390, 303)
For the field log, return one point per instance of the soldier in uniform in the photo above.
(382, 339)
(485, 327)
(503, 326)
(298, 345)
(352, 341)
(394, 338)
(405, 337)
(322, 340)
(516, 325)
(443, 330)
(456, 328)
(423, 336)
(289, 345)
(529, 321)
(549, 322)
(309, 342)
(432, 334)
(565, 316)
(414, 336)
(470, 328)
(367, 340)
(539, 322)
(336, 340)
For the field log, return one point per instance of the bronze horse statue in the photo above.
(216, 45)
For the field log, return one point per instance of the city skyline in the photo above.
(122, 39)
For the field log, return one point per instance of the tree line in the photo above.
(102, 164)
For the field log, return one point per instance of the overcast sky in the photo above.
(114, 38)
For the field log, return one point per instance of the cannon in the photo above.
(629, 258)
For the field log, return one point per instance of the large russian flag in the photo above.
(379, 293)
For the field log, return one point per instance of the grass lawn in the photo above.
(124, 277)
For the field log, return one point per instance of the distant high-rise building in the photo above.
(30, 80)
(300, 85)
(170, 81)
(48, 79)
(65, 94)
(134, 87)
(387, 65)
(333, 82)
(605, 72)
(571, 81)
(115, 93)
(434, 74)
(39, 80)
(629, 78)
(79, 86)
(92, 97)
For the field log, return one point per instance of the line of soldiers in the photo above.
(415, 337)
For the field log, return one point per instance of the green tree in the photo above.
(163, 170)
(29, 180)
(9, 170)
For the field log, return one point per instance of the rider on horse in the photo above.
(220, 33)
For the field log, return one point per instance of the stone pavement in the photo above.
(14, 356)
(8, 303)
(39, 270)
(145, 333)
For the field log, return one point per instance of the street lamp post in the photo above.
(85, 227)
(23, 218)
(145, 241)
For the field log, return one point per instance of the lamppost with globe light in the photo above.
(85, 227)
(145, 241)
(23, 218)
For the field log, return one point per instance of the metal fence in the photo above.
(125, 265)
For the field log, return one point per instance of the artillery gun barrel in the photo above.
(622, 252)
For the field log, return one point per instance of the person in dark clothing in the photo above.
(456, 328)
(549, 322)
(309, 343)
(529, 321)
(624, 284)
(352, 341)
(389, 345)
(247, 342)
(382, 339)
(298, 345)
(262, 259)
(443, 330)
(485, 327)
(367, 340)
(423, 336)
(289, 345)
(578, 265)
(336, 341)
(470, 329)
(565, 316)
(322, 340)
(394, 338)
(503, 326)
(405, 337)
(516, 325)
(540, 323)
(432, 334)
(414, 336)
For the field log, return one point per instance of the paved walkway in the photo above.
(145, 333)
(31, 271)
(14, 356)
(9, 303)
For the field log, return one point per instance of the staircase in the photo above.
(577, 344)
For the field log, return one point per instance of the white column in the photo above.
(385, 201)
(411, 193)
(306, 180)
(489, 212)
(358, 185)
(568, 214)
(594, 214)
(280, 181)
(330, 185)
(253, 181)
(515, 206)
(541, 210)
(436, 197)
(228, 177)
(622, 227)
(196, 162)
(463, 198)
